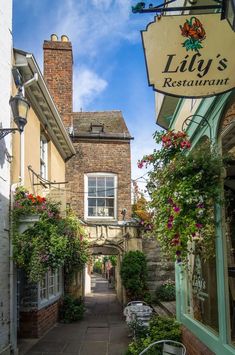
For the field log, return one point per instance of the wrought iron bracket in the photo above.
(204, 122)
(141, 8)
(5, 131)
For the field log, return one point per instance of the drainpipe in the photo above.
(13, 284)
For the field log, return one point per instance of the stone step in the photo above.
(166, 309)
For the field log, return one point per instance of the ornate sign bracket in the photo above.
(140, 7)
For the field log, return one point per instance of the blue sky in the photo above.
(109, 66)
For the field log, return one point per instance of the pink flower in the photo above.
(200, 205)
(199, 225)
(176, 209)
(140, 164)
(169, 225)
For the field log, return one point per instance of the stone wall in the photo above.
(159, 270)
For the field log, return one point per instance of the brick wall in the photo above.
(193, 345)
(35, 323)
(99, 156)
(58, 73)
(229, 115)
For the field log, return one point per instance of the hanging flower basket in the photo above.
(184, 187)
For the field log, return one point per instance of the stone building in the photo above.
(99, 175)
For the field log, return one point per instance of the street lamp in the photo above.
(19, 106)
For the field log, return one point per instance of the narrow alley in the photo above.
(102, 331)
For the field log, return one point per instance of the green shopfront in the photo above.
(206, 291)
(190, 63)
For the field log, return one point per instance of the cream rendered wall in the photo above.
(31, 156)
(56, 165)
(5, 144)
(31, 148)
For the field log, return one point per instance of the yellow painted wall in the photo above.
(56, 164)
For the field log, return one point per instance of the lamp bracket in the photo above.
(5, 131)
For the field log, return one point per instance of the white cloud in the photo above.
(95, 26)
(87, 86)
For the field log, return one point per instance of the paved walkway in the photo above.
(102, 332)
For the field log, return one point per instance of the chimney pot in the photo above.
(54, 37)
(64, 38)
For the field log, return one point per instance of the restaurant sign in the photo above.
(190, 56)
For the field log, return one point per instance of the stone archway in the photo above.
(112, 239)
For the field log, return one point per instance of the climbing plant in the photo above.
(134, 273)
(51, 242)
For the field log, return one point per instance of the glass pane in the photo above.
(111, 212)
(110, 192)
(229, 226)
(91, 191)
(91, 181)
(109, 202)
(101, 182)
(100, 202)
(230, 239)
(101, 191)
(102, 211)
(202, 288)
(58, 281)
(91, 202)
(110, 182)
(91, 211)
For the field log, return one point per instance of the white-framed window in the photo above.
(43, 157)
(100, 196)
(50, 287)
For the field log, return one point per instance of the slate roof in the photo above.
(112, 122)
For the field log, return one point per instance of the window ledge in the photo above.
(49, 301)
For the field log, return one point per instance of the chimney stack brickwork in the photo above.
(58, 73)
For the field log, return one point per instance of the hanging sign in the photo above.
(190, 56)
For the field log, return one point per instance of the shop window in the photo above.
(100, 197)
(202, 291)
(202, 303)
(50, 286)
(228, 145)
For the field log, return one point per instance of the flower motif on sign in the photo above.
(195, 33)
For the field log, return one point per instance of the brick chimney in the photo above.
(58, 72)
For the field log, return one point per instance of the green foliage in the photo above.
(183, 189)
(113, 260)
(50, 243)
(166, 292)
(133, 273)
(72, 309)
(97, 267)
(159, 328)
